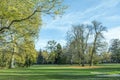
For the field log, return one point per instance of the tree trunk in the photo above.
(93, 49)
(91, 60)
(82, 61)
(71, 61)
(12, 61)
(79, 59)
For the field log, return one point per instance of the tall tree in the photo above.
(23, 20)
(70, 48)
(87, 39)
(80, 35)
(97, 32)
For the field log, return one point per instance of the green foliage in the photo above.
(106, 57)
(40, 58)
(51, 58)
(29, 52)
(51, 48)
(58, 54)
(115, 50)
(17, 11)
(4, 59)
(54, 52)
(45, 55)
(20, 22)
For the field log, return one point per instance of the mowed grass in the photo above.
(63, 72)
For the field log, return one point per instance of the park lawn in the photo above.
(63, 72)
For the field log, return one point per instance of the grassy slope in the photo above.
(62, 72)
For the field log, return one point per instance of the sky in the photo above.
(81, 12)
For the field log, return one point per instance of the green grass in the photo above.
(62, 72)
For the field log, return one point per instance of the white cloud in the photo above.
(93, 13)
(112, 33)
(62, 42)
(42, 43)
(113, 18)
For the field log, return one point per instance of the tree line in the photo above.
(85, 45)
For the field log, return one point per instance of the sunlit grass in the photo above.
(63, 72)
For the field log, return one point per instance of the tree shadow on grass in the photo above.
(56, 77)
(80, 77)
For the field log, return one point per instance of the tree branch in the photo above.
(19, 20)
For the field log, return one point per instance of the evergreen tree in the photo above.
(58, 54)
(115, 50)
